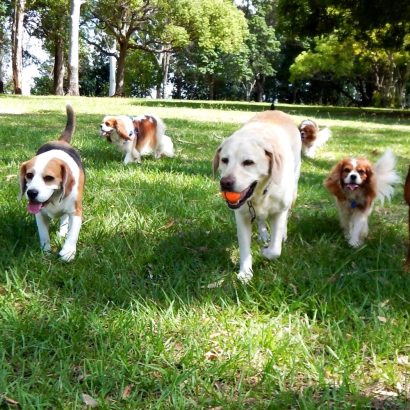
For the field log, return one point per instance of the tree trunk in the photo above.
(73, 82)
(165, 70)
(58, 74)
(17, 45)
(113, 67)
(260, 88)
(119, 87)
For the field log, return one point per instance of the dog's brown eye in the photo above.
(346, 170)
(247, 162)
(29, 175)
(224, 160)
(360, 171)
(107, 124)
(48, 178)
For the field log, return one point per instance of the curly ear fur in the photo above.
(333, 184)
(121, 130)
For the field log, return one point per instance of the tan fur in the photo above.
(310, 133)
(146, 133)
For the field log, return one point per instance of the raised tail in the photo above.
(68, 132)
(386, 176)
(323, 135)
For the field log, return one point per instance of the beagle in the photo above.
(53, 183)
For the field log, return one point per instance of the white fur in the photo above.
(126, 147)
(386, 176)
(164, 143)
(58, 207)
(323, 135)
(273, 195)
(354, 221)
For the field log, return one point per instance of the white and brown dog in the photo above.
(260, 166)
(312, 137)
(53, 183)
(356, 183)
(137, 136)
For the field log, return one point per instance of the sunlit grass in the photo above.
(150, 314)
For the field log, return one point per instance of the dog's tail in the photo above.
(323, 135)
(68, 132)
(386, 176)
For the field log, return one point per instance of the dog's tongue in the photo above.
(352, 187)
(34, 207)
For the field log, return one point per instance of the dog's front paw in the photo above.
(46, 247)
(355, 243)
(270, 254)
(67, 254)
(245, 276)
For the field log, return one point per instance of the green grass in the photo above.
(150, 314)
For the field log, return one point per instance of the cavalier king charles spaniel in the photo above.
(312, 137)
(356, 184)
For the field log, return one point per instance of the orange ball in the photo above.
(231, 196)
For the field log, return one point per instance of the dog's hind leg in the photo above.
(262, 231)
(62, 232)
(68, 251)
(278, 230)
(244, 231)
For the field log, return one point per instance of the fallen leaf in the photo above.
(214, 285)
(211, 355)
(168, 225)
(8, 400)
(382, 319)
(127, 391)
(403, 360)
(384, 303)
(89, 401)
(10, 177)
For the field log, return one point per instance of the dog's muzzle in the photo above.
(244, 196)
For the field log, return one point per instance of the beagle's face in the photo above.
(40, 180)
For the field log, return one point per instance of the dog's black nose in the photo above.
(32, 193)
(227, 183)
(353, 177)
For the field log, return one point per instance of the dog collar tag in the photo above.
(353, 204)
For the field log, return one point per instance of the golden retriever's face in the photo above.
(242, 163)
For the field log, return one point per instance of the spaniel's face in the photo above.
(355, 173)
(308, 132)
(107, 127)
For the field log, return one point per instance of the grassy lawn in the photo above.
(150, 314)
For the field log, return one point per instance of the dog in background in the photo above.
(137, 136)
(407, 199)
(53, 183)
(312, 137)
(260, 166)
(355, 184)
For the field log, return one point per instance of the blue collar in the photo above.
(353, 204)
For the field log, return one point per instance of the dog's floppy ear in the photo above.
(275, 165)
(215, 161)
(121, 130)
(23, 182)
(68, 180)
(332, 182)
